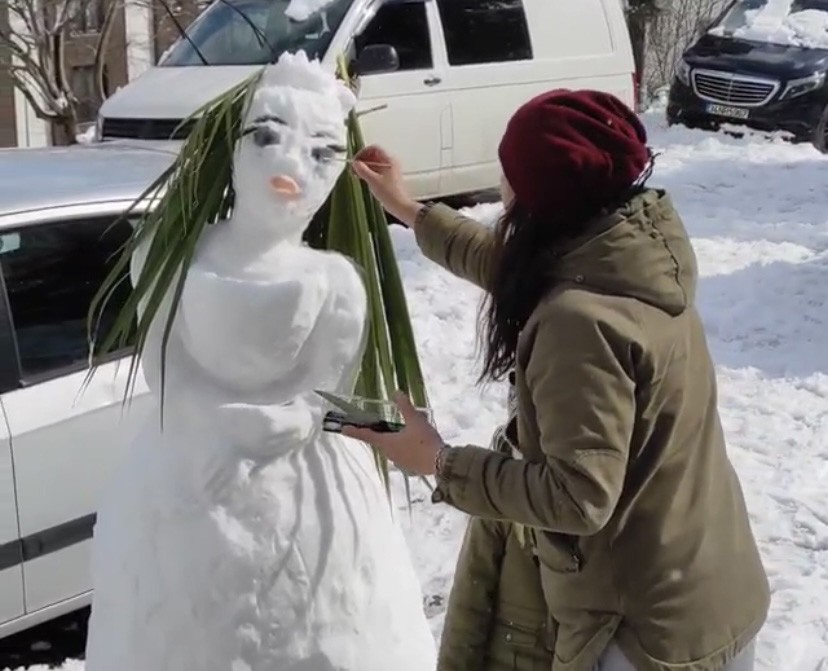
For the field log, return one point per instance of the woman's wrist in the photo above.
(407, 212)
(439, 494)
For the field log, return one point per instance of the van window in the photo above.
(487, 31)
(404, 26)
(574, 29)
(254, 32)
(52, 272)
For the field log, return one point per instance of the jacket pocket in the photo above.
(559, 553)
(518, 648)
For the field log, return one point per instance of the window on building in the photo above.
(404, 26)
(87, 16)
(485, 31)
(52, 272)
(85, 87)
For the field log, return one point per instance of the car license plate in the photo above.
(726, 110)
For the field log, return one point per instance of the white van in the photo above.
(450, 72)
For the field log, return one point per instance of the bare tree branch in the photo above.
(64, 14)
(670, 33)
(28, 61)
(25, 89)
(36, 39)
(18, 10)
(101, 48)
(39, 87)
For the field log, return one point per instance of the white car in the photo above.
(60, 226)
(445, 74)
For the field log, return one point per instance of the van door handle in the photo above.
(432, 81)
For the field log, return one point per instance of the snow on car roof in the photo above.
(799, 23)
(33, 179)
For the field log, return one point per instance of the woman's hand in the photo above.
(414, 449)
(383, 175)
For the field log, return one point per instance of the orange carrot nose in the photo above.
(285, 186)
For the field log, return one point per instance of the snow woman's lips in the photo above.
(286, 186)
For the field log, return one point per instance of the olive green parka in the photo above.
(497, 618)
(637, 515)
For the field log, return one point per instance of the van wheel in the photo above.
(821, 133)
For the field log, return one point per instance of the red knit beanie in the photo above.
(567, 151)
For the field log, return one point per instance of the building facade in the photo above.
(141, 30)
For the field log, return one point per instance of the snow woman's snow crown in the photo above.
(293, 146)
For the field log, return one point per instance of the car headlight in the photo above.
(798, 87)
(683, 72)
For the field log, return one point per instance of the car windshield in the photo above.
(254, 32)
(802, 23)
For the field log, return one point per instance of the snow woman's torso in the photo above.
(249, 345)
(238, 536)
(290, 320)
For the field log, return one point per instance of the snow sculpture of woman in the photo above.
(237, 536)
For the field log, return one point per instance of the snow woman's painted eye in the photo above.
(327, 153)
(264, 136)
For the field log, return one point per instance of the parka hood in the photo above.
(641, 251)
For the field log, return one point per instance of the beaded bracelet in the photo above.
(439, 460)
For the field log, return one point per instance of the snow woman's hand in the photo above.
(266, 432)
(414, 449)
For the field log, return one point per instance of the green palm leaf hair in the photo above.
(196, 191)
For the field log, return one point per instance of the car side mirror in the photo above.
(375, 59)
(9, 242)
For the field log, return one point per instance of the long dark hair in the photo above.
(524, 255)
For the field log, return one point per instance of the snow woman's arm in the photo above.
(579, 371)
(461, 245)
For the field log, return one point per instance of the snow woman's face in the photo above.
(292, 151)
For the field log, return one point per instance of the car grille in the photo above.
(145, 129)
(733, 89)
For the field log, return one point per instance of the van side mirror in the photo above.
(375, 59)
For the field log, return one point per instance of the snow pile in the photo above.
(87, 136)
(657, 102)
(487, 213)
(778, 23)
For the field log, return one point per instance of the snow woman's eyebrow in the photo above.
(325, 134)
(270, 117)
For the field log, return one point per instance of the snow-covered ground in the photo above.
(758, 214)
